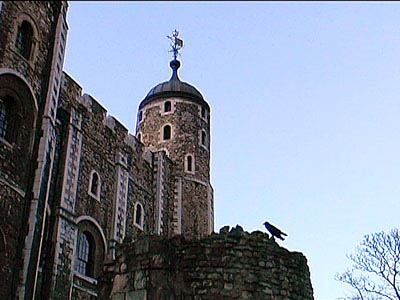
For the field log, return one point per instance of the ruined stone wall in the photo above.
(229, 265)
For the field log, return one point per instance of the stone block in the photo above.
(137, 295)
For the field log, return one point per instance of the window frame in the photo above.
(24, 39)
(186, 163)
(206, 143)
(98, 190)
(206, 114)
(139, 225)
(85, 265)
(163, 132)
(23, 17)
(172, 107)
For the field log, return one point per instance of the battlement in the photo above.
(73, 96)
(233, 264)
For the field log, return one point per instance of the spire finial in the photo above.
(176, 43)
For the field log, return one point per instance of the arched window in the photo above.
(203, 112)
(203, 138)
(4, 116)
(139, 136)
(138, 215)
(85, 251)
(24, 39)
(17, 113)
(140, 116)
(167, 106)
(189, 163)
(167, 132)
(94, 185)
(90, 248)
(10, 119)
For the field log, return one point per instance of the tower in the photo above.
(175, 118)
(32, 48)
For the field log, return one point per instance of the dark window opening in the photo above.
(140, 116)
(189, 163)
(203, 138)
(167, 132)
(167, 106)
(24, 39)
(85, 254)
(139, 137)
(10, 119)
(95, 184)
(139, 212)
(3, 119)
(203, 112)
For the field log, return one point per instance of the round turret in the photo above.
(174, 117)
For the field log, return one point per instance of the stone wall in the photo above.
(193, 208)
(230, 265)
(92, 141)
(26, 149)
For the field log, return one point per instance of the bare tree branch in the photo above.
(375, 267)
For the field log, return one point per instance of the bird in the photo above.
(274, 231)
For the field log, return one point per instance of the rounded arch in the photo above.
(21, 18)
(95, 182)
(138, 218)
(167, 132)
(5, 71)
(189, 163)
(98, 227)
(167, 107)
(20, 109)
(166, 151)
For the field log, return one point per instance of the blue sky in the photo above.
(305, 104)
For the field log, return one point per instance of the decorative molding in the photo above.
(121, 197)
(73, 158)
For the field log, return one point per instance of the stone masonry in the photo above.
(91, 211)
(231, 265)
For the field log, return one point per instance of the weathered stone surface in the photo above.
(231, 270)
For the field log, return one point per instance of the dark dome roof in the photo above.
(174, 87)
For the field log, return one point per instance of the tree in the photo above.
(376, 267)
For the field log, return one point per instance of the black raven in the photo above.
(274, 231)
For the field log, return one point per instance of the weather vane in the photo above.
(176, 43)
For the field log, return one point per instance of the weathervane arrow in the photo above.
(176, 43)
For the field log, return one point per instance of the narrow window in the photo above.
(139, 136)
(24, 39)
(167, 106)
(139, 215)
(189, 163)
(203, 112)
(203, 138)
(140, 116)
(167, 132)
(94, 185)
(3, 119)
(2, 244)
(85, 254)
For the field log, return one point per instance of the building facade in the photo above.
(74, 183)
